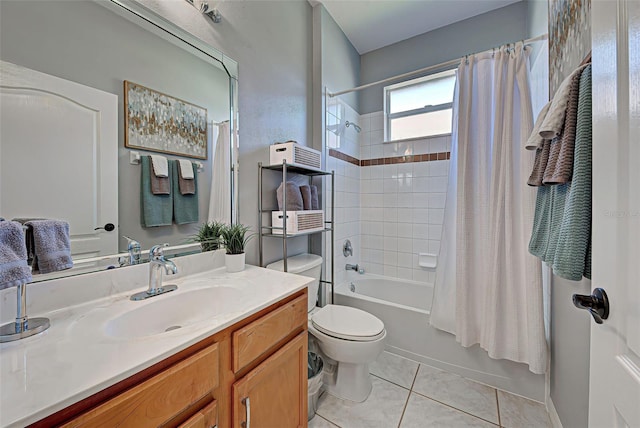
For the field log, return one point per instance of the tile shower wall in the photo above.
(390, 212)
(347, 181)
(402, 204)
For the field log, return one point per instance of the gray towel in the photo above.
(573, 254)
(294, 197)
(560, 163)
(187, 186)
(52, 245)
(28, 236)
(160, 185)
(305, 191)
(155, 210)
(539, 164)
(14, 269)
(185, 207)
(315, 203)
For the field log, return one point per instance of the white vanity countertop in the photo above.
(76, 357)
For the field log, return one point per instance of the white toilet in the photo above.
(351, 338)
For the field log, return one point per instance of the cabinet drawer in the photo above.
(159, 398)
(206, 417)
(255, 339)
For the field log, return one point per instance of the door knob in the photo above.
(597, 304)
(108, 227)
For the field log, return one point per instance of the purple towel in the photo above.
(52, 245)
(305, 190)
(294, 197)
(315, 203)
(14, 269)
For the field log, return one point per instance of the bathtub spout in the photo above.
(349, 266)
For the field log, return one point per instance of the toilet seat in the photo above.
(344, 322)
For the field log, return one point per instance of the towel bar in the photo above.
(134, 159)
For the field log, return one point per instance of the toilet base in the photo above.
(350, 382)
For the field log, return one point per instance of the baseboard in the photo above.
(553, 413)
(495, 381)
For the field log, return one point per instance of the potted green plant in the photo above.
(234, 239)
(209, 235)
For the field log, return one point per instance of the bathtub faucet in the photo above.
(355, 268)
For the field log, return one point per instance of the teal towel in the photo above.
(155, 210)
(549, 211)
(185, 207)
(573, 252)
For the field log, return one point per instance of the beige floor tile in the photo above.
(319, 422)
(518, 412)
(382, 409)
(395, 368)
(456, 391)
(423, 412)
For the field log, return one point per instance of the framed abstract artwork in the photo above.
(161, 123)
(569, 38)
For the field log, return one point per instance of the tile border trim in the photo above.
(427, 157)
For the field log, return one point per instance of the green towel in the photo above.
(185, 207)
(155, 210)
(573, 252)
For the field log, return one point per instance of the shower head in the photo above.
(357, 128)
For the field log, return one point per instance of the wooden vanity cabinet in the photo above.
(274, 394)
(262, 357)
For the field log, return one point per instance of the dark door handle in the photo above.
(597, 304)
(108, 227)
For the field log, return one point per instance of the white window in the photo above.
(419, 107)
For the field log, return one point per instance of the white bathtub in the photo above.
(404, 308)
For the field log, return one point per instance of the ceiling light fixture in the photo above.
(203, 7)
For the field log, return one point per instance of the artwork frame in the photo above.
(158, 122)
(569, 38)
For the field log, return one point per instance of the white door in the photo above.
(614, 393)
(58, 156)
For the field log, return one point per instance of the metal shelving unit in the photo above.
(267, 231)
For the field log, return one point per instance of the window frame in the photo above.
(388, 117)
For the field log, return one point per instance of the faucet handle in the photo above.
(157, 252)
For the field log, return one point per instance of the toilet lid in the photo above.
(348, 323)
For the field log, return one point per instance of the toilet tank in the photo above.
(303, 264)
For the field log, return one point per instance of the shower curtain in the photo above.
(220, 200)
(488, 287)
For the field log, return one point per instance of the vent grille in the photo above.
(306, 157)
(309, 221)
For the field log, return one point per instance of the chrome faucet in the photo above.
(133, 248)
(355, 267)
(156, 263)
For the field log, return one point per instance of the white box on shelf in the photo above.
(298, 221)
(295, 155)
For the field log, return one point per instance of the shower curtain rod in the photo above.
(423, 70)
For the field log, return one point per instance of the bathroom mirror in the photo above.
(96, 46)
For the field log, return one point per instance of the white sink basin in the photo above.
(173, 311)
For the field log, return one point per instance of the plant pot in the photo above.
(234, 262)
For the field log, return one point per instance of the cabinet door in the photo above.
(274, 394)
(205, 418)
